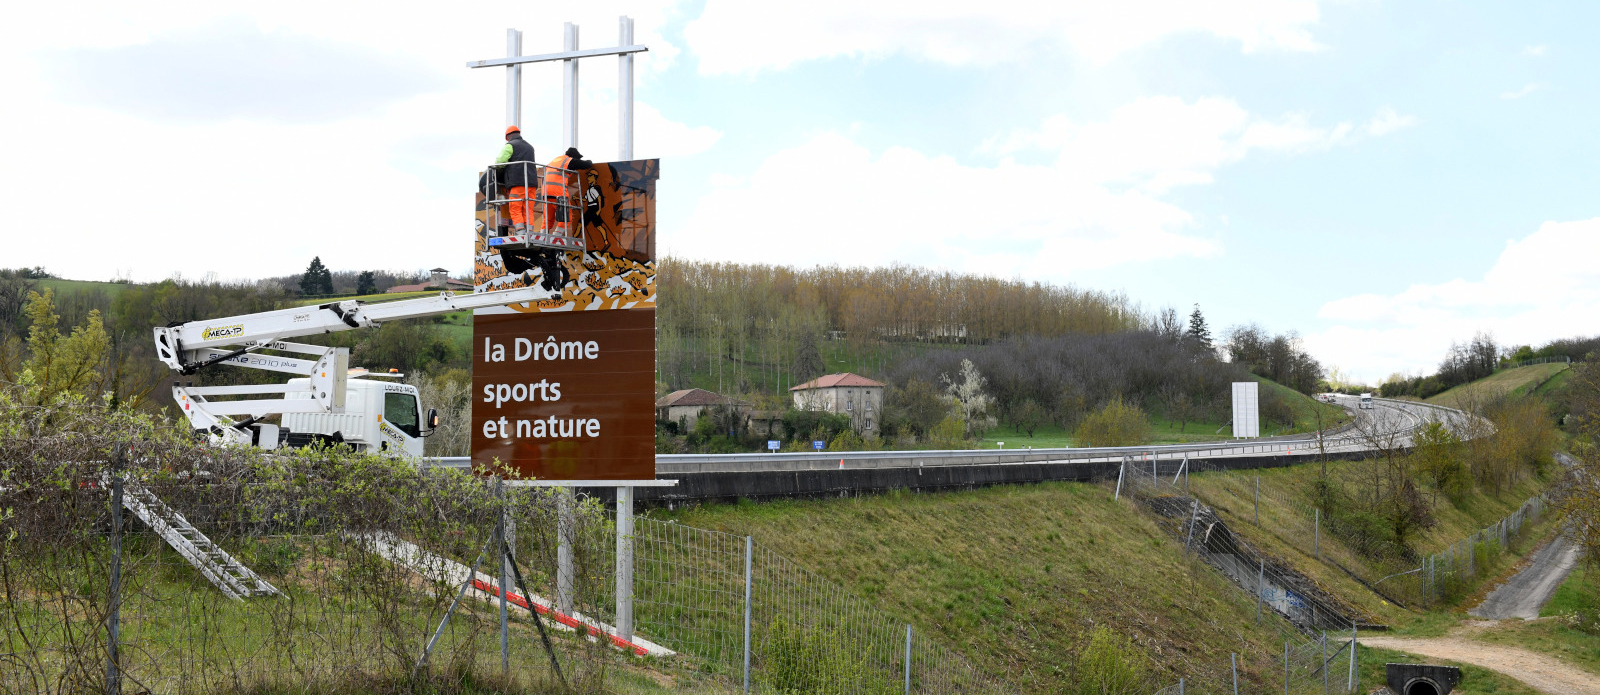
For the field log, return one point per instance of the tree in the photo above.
(808, 362)
(916, 407)
(59, 366)
(366, 283)
(317, 279)
(1436, 454)
(1117, 424)
(1029, 416)
(975, 404)
(1198, 332)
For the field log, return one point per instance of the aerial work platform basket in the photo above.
(548, 222)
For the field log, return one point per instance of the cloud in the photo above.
(1520, 93)
(1097, 203)
(1535, 51)
(1156, 143)
(1387, 121)
(733, 36)
(1542, 287)
(235, 71)
(902, 206)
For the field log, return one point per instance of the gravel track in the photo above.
(1542, 673)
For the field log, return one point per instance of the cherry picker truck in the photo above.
(328, 401)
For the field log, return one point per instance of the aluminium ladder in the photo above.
(228, 574)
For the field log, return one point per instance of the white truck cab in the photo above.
(380, 416)
(1366, 401)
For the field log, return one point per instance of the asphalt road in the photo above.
(1524, 594)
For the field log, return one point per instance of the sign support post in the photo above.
(569, 58)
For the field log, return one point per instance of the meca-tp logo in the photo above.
(215, 332)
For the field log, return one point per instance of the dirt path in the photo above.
(1543, 673)
(1524, 594)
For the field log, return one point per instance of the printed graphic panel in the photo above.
(616, 268)
(565, 396)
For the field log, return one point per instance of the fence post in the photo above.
(1286, 667)
(1258, 500)
(1180, 686)
(1261, 588)
(1351, 684)
(749, 552)
(1233, 662)
(1121, 468)
(1195, 515)
(565, 521)
(505, 563)
(1316, 542)
(1324, 662)
(625, 563)
(114, 609)
(908, 660)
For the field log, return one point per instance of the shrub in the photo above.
(807, 660)
(1117, 424)
(1110, 665)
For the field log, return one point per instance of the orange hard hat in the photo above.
(513, 129)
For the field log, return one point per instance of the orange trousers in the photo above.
(519, 210)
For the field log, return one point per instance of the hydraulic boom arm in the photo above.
(237, 340)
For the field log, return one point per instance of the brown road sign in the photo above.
(565, 396)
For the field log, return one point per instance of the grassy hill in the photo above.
(65, 287)
(1518, 381)
(1016, 577)
(1310, 415)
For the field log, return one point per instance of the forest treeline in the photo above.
(1047, 354)
(756, 327)
(1480, 357)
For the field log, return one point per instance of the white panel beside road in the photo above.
(1246, 410)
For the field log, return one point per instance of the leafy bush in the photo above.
(1111, 665)
(806, 660)
(1117, 424)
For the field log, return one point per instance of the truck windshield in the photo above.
(400, 410)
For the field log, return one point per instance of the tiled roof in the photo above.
(836, 380)
(688, 397)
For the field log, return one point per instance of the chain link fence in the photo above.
(160, 565)
(1318, 629)
(1396, 573)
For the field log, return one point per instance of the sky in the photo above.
(1380, 177)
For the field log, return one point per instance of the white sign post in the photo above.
(569, 58)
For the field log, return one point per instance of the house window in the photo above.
(869, 423)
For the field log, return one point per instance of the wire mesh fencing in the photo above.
(1394, 571)
(770, 625)
(160, 565)
(1306, 616)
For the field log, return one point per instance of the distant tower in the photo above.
(439, 277)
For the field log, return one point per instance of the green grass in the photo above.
(64, 287)
(379, 297)
(1507, 382)
(1015, 577)
(1286, 532)
(1574, 593)
(327, 635)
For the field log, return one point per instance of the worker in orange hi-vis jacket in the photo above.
(517, 179)
(558, 178)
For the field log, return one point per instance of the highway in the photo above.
(1389, 424)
